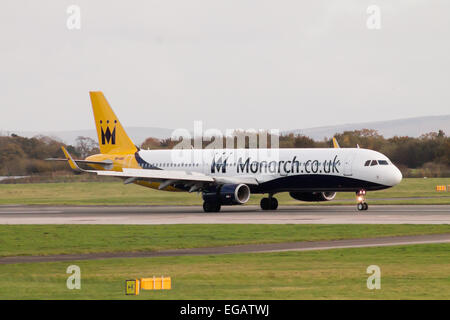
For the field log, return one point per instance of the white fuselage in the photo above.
(277, 170)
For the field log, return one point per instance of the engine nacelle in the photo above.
(313, 196)
(228, 194)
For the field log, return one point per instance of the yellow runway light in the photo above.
(156, 283)
(132, 287)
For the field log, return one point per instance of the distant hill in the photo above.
(412, 127)
(137, 134)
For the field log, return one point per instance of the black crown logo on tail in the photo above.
(108, 137)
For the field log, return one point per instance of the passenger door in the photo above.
(348, 162)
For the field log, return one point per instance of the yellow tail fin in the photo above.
(112, 138)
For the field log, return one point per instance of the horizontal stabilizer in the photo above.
(105, 162)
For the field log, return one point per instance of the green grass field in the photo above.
(116, 193)
(407, 272)
(66, 239)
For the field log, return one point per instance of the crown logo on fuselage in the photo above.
(108, 136)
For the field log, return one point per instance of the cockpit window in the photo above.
(367, 163)
(383, 162)
(373, 163)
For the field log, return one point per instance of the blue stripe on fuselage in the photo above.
(315, 182)
(144, 164)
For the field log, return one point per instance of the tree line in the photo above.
(26, 156)
(427, 155)
(424, 156)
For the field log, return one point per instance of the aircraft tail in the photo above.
(112, 137)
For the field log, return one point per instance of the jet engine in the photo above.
(313, 196)
(228, 194)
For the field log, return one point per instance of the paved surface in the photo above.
(251, 248)
(398, 214)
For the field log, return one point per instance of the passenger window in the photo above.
(374, 163)
(383, 162)
(367, 163)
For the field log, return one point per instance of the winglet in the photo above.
(72, 163)
(335, 143)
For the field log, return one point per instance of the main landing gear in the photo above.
(269, 203)
(211, 206)
(361, 197)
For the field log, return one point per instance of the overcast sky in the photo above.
(230, 63)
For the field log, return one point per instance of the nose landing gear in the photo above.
(361, 197)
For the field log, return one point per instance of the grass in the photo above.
(66, 239)
(116, 193)
(407, 272)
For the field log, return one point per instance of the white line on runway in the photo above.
(36, 211)
(362, 245)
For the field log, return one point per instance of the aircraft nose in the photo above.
(396, 176)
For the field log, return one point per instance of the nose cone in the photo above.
(396, 176)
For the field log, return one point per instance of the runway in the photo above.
(249, 248)
(381, 214)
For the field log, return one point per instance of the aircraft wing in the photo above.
(194, 180)
(152, 174)
(236, 180)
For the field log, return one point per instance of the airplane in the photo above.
(230, 176)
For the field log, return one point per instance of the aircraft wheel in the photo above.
(360, 206)
(264, 204)
(211, 206)
(274, 204)
(366, 206)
